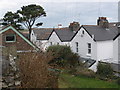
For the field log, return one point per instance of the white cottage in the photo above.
(97, 42)
(45, 37)
(92, 42)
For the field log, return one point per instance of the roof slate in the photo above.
(65, 34)
(101, 34)
(43, 33)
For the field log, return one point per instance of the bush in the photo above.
(34, 70)
(63, 56)
(104, 70)
(118, 81)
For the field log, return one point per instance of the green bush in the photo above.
(104, 70)
(118, 81)
(63, 56)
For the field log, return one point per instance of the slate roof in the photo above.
(43, 33)
(65, 34)
(101, 34)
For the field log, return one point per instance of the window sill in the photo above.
(88, 55)
(10, 41)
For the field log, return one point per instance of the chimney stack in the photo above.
(103, 22)
(59, 25)
(74, 26)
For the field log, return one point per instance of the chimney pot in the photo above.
(103, 22)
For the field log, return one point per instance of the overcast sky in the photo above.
(66, 11)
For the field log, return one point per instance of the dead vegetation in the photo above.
(34, 69)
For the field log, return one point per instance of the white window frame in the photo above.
(89, 48)
(77, 46)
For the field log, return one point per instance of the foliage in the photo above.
(11, 18)
(34, 71)
(104, 70)
(118, 81)
(63, 56)
(27, 16)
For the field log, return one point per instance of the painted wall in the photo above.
(83, 45)
(55, 39)
(119, 49)
(115, 51)
(33, 37)
(105, 51)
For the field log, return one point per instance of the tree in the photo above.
(29, 14)
(12, 19)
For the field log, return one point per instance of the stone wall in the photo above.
(10, 74)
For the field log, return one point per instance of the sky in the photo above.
(66, 11)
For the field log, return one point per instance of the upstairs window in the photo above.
(83, 32)
(76, 46)
(89, 48)
(51, 43)
(10, 38)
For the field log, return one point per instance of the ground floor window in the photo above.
(76, 46)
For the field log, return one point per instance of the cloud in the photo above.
(66, 11)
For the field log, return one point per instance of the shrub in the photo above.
(34, 71)
(63, 56)
(104, 70)
(118, 81)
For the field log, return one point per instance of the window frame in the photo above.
(51, 43)
(83, 32)
(10, 35)
(89, 48)
(77, 45)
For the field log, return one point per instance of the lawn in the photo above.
(70, 81)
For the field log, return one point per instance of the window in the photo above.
(57, 43)
(10, 38)
(50, 43)
(76, 46)
(89, 48)
(82, 32)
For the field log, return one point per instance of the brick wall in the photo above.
(20, 43)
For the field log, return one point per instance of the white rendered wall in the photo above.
(115, 51)
(55, 39)
(105, 51)
(83, 45)
(33, 37)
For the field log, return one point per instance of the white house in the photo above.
(45, 37)
(92, 42)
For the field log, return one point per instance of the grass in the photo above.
(70, 81)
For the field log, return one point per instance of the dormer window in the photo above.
(10, 38)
